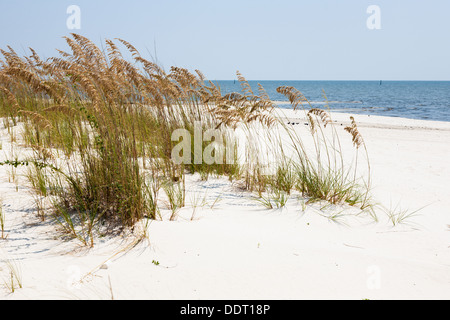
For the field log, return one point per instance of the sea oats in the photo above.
(353, 130)
(324, 116)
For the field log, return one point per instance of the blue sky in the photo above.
(264, 40)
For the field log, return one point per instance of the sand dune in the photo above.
(239, 250)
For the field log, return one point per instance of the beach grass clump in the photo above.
(397, 215)
(13, 280)
(3, 234)
(101, 129)
(323, 173)
(176, 195)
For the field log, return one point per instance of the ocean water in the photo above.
(426, 100)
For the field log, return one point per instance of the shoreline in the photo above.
(372, 121)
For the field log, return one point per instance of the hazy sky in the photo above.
(265, 40)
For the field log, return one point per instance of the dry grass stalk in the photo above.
(353, 130)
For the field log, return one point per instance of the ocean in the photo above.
(426, 100)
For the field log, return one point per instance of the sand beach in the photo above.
(227, 246)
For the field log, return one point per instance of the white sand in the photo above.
(239, 250)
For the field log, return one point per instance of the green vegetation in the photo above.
(100, 128)
(2, 221)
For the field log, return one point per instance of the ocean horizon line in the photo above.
(335, 80)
